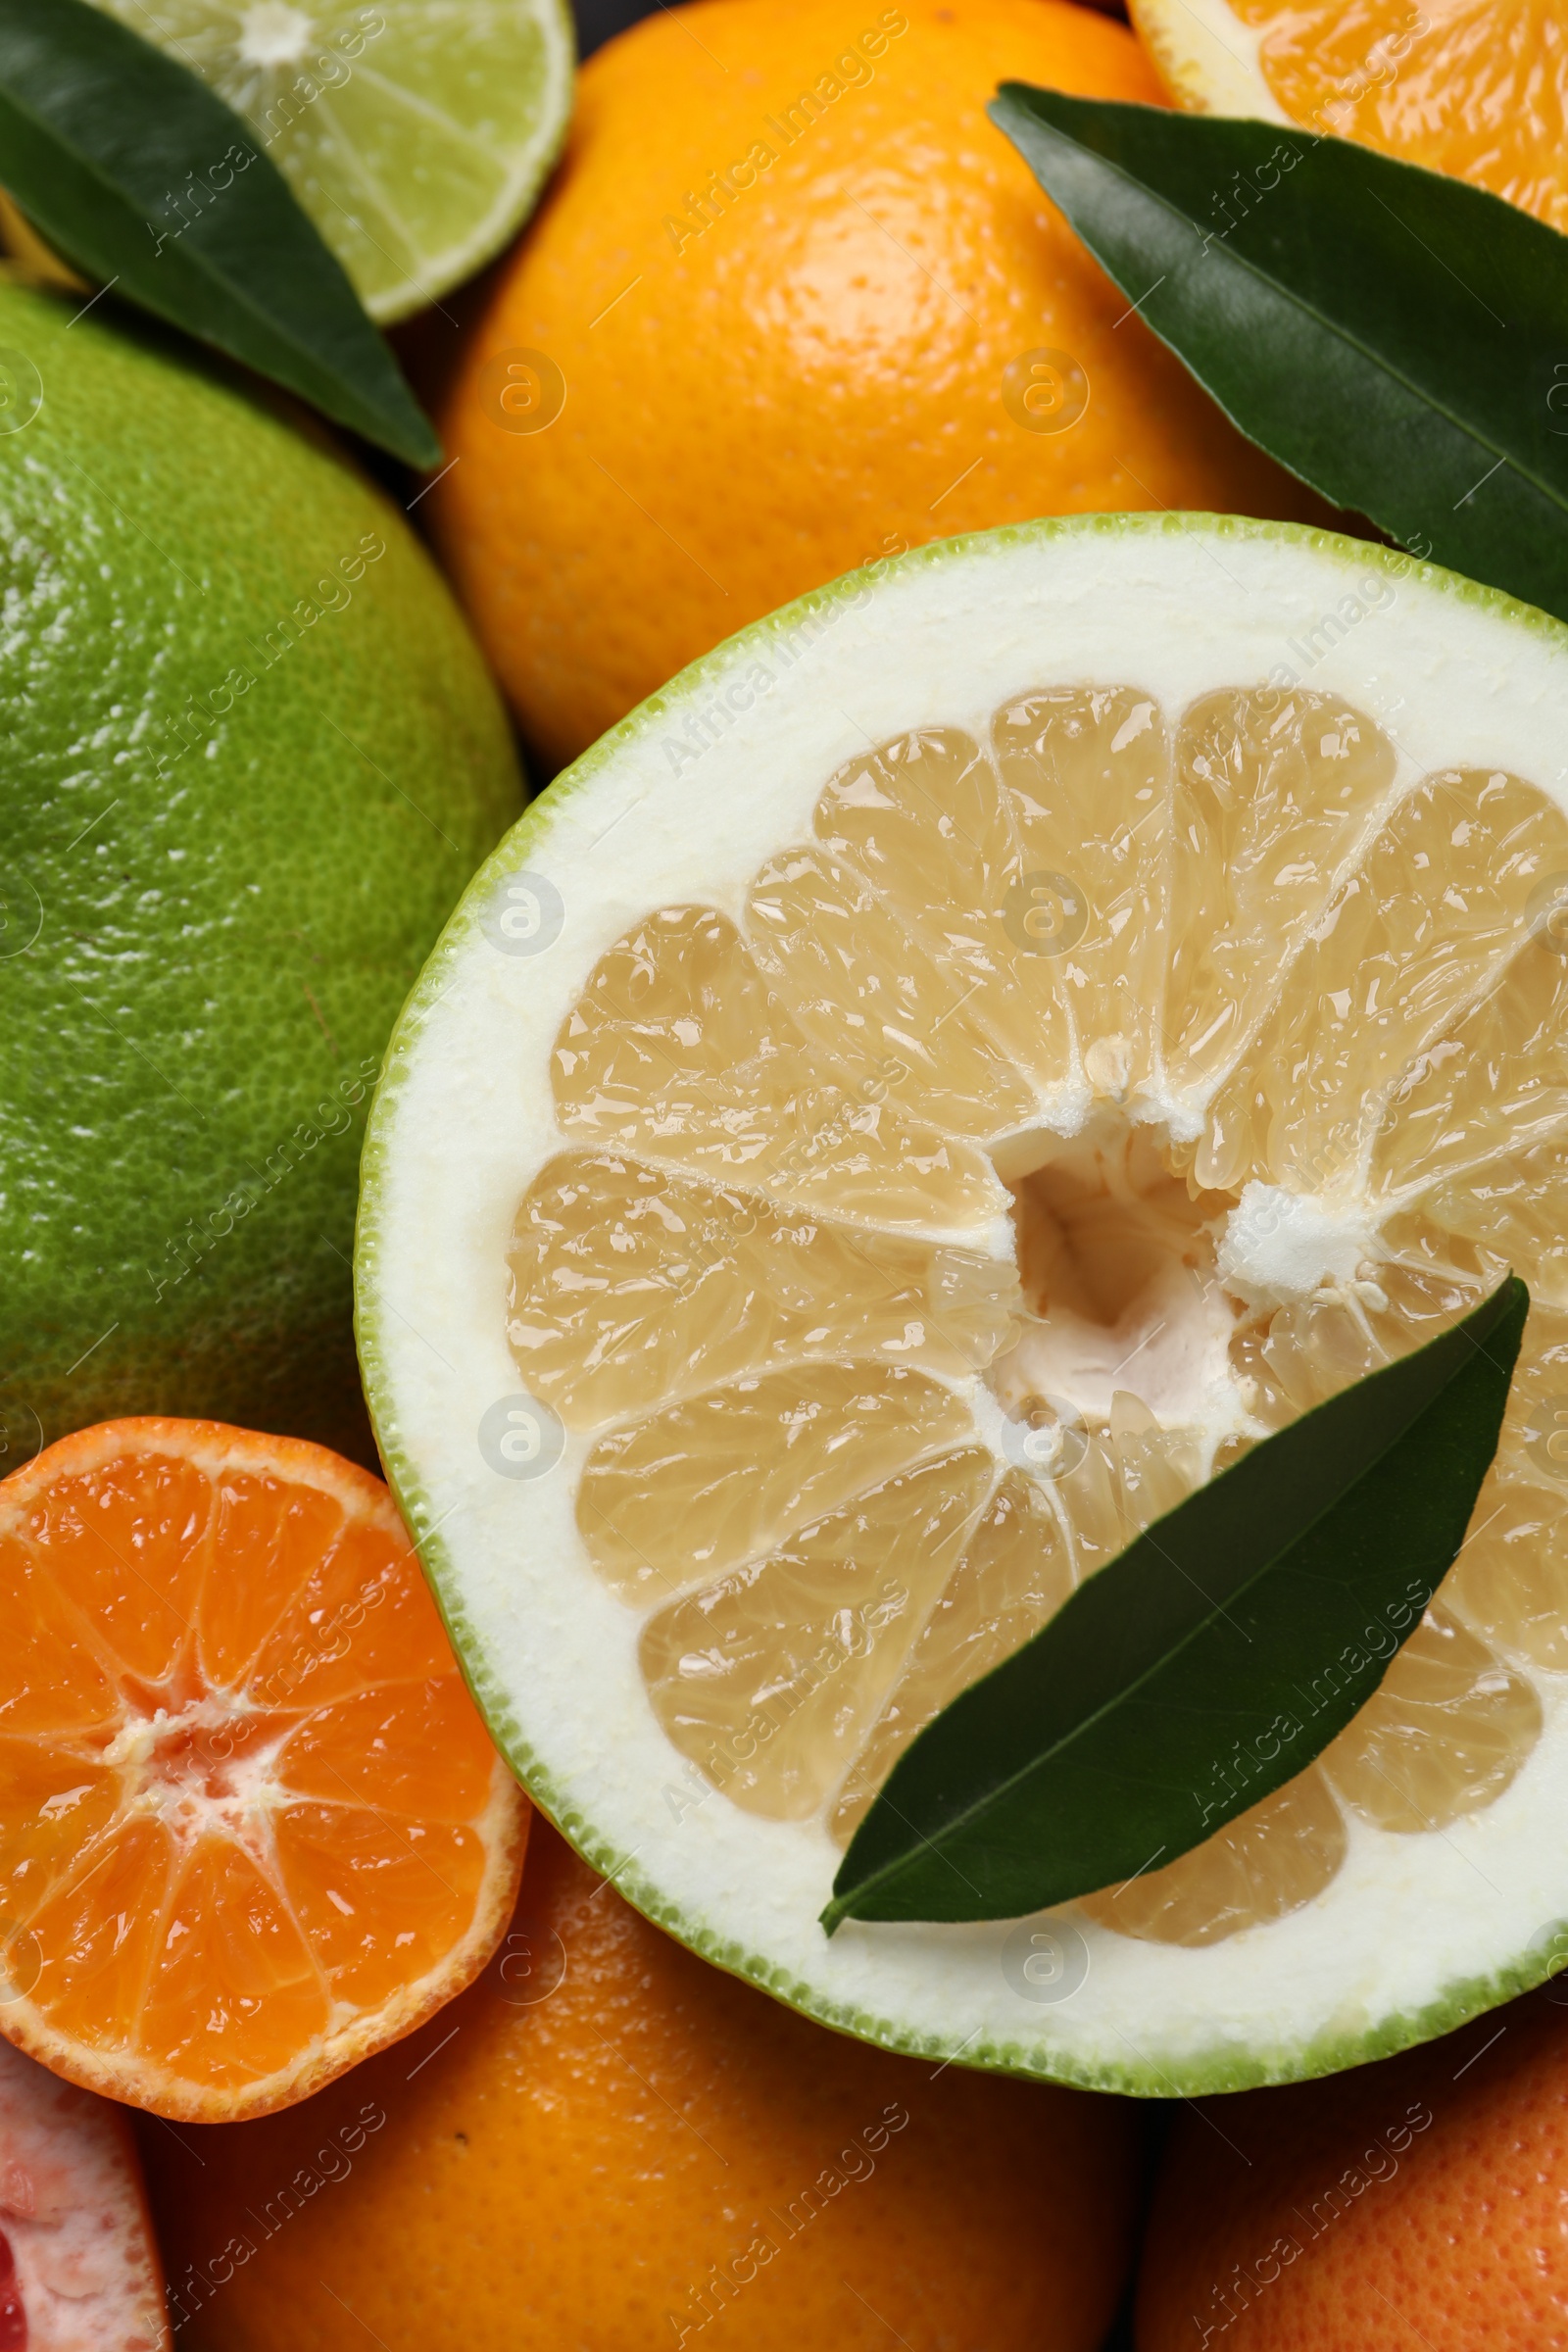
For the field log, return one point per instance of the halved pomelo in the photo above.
(975, 1052)
(251, 1826)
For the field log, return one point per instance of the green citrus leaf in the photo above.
(1207, 1664)
(135, 171)
(1392, 335)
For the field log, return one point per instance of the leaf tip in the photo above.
(424, 450)
(1513, 1308)
(1008, 100)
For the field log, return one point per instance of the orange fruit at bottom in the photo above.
(607, 2145)
(251, 1823)
(794, 304)
(1420, 2201)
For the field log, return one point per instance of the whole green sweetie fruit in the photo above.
(251, 758)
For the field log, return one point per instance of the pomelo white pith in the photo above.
(973, 1052)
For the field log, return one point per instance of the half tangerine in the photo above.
(1477, 88)
(251, 1826)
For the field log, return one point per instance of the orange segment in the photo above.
(235, 1988)
(127, 1545)
(377, 1750)
(373, 1895)
(1477, 88)
(43, 1788)
(51, 1674)
(97, 1937)
(251, 1825)
(361, 1619)
(269, 1537)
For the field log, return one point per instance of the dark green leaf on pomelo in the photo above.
(1207, 1664)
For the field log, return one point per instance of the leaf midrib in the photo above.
(976, 1810)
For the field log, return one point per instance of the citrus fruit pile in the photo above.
(1048, 965)
(912, 1171)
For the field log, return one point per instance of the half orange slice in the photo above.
(251, 1826)
(1478, 88)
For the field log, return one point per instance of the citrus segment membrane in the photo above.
(750, 1461)
(809, 1640)
(679, 1050)
(251, 1825)
(1015, 1573)
(1075, 1106)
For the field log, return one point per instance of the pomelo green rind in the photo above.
(495, 1594)
(190, 1037)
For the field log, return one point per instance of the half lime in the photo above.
(416, 133)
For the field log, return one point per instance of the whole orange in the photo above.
(605, 2145)
(1421, 2201)
(794, 304)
